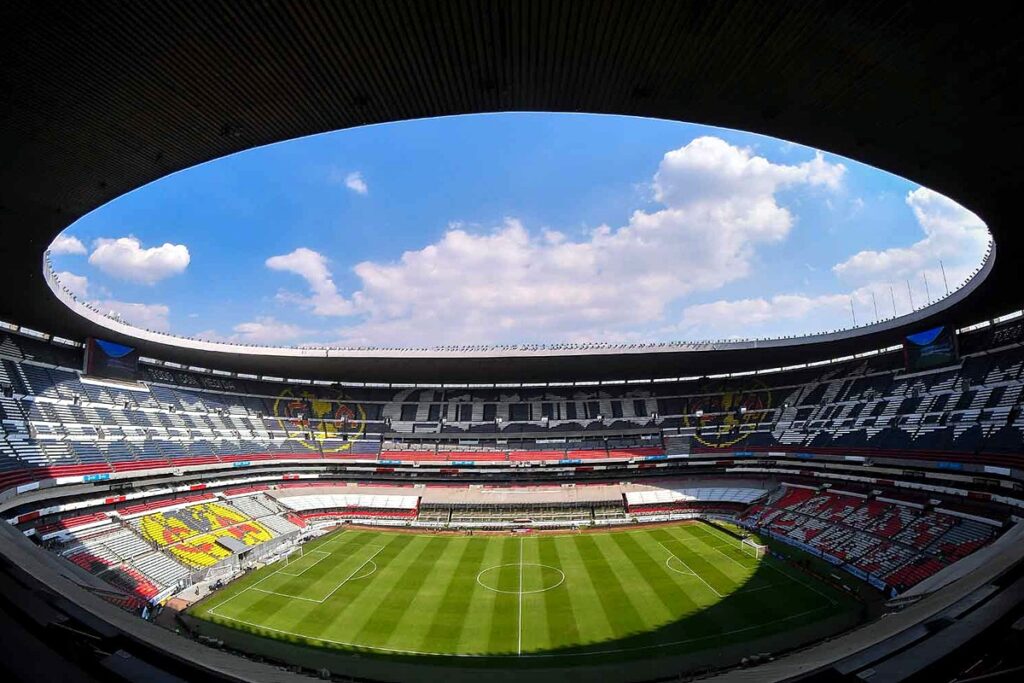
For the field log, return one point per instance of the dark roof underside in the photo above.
(99, 98)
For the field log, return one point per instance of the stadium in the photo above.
(837, 506)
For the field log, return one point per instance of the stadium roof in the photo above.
(99, 99)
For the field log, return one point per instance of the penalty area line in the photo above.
(786, 575)
(691, 570)
(380, 549)
(255, 586)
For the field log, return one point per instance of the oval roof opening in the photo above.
(520, 228)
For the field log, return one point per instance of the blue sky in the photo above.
(517, 228)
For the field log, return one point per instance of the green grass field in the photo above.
(552, 599)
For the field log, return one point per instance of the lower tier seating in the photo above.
(900, 544)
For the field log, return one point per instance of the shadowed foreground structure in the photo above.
(99, 98)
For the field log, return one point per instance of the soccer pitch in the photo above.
(548, 599)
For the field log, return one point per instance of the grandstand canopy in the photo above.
(234, 545)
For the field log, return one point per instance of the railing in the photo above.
(115, 322)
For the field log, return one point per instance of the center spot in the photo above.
(522, 578)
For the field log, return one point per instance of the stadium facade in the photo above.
(889, 452)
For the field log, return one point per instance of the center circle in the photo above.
(520, 578)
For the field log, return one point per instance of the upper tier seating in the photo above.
(55, 424)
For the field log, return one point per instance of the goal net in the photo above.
(753, 548)
(293, 554)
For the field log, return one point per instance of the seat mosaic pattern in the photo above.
(167, 528)
(204, 551)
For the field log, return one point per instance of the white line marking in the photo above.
(668, 563)
(786, 575)
(589, 653)
(521, 539)
(301, 571)
(356, 571)
(730, 558)
(283, 595)
(369, 573)
(265, 578)
(831, 601)
(525, 564)
(299, 597)
(691, 569)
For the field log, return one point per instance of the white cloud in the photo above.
(710, 170)
(312, 267)
(263, 330)
(354, 181)
(507, 284)
(892, 281)
(78, 284)
(951, 234)
(768, 316)
(66, 244)
(125, 258)
(150, 316)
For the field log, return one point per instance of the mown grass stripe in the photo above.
(280, 611)
(647, 562)
(281, 608)
(504, 632)
(724, 610)
(707, 547)
(475, 636)
(752, 571)
(340, 617)
(679, 543)
(775, 574)
(619, 596)
(592, 623)
(762, 606)
(561, 623)
(414, 625)
(447, 616)
(321, 620)
(613, 598)
(404, 585)
(649, 605)
(318, 582)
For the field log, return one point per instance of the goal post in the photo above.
(293, 554)
(753, 548)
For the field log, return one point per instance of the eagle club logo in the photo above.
(323, 419)
(725, 413)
